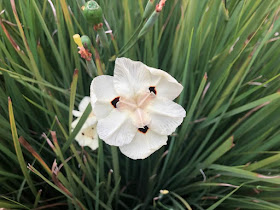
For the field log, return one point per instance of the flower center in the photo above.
(136, 107)
(140, 101)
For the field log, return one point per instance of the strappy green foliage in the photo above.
(224, 155)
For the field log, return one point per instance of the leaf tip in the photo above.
(232, 144)
(205, 76)
(76, 71)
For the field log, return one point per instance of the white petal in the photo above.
(140, 118)
(102, 93)
(143, 145)
(166, 86)
(74, 123)
(130, 77)
(91, 120)
(116, 129)
(102, 109)
(84, 103)
(77, 113)
(88, 137)
(165, 115)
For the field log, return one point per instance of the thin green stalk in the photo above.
(116, 168)
(18, 149)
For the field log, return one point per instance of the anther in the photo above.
(153, 89)
(115, 101)
(143, 130)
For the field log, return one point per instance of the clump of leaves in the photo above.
(226, 152)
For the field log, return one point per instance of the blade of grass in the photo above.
(215, 205)
(18, 149)
(72, 98)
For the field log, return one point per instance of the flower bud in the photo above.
(92, 12)
(86, 42)
(150, 22)
(150, 7)
(77, 40)
(164, 192)
(160, 5)
(84, 52)
(152, 19)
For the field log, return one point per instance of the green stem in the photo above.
(99, 171)
(121, 53)
(92, 70)
(101, 159)
(131, 38)
(116, 167)
(103, 39)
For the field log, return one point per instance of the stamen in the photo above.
(115, 101)
(143, 130)
(153, 89)
(143, 99)
(129, 103)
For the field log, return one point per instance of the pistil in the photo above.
(143, 100)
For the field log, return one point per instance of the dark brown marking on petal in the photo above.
(83, 134)
(153, 89)
(115, 101)
(143, 130)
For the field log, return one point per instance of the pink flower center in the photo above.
(137, 108)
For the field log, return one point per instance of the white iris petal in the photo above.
(167, 86)
(165, 115)
(102, 92)
(116, 129)
(143, 145)
(84, 103)
(130, 77)
(87, 136)
(134, 108)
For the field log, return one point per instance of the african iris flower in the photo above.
(134, 108)
(87, 136)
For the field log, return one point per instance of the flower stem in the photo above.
(131, 39)
(100, 171)
(104, 40)
(101, 159)
(91, 68)
(116, 166)
(97, 61)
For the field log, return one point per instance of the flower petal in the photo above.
(91, 121)
(166, 115)
(140, 118)
(88, 137)
(130, 77)
(143, 145)
(77, 113)
(102, 93)
(166, 86)
(116, 129)
(84, 103)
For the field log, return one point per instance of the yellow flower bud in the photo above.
(77, 40)
(164, 192)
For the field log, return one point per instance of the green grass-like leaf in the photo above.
(235, 43)
(18, 148)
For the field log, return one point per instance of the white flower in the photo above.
(87, 136)
(134, 108)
